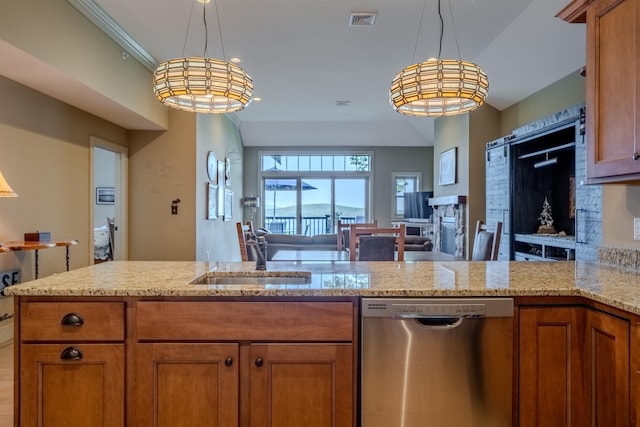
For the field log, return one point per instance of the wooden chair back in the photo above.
(357, 230)
(486, 243)
(376, 248)
(243, 230)
(343, 232)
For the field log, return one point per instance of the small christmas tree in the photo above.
(546, 220)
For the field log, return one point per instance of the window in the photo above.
(403, 182)
(317, 162)
(308, 193)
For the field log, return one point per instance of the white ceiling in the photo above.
(303, 57)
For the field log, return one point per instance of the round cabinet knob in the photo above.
(259, 362)
(71, 353)
(228, 361)
(636, 156)
(72, 319)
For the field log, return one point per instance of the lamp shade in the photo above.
(5, 188)
(438, 87)
(202, 85)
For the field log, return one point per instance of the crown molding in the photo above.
(107, 25)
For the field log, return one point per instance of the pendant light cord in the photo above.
(206, 29)
(441, 29)
(186, 35)
(415, 47)
(455, 36)
(224, 56)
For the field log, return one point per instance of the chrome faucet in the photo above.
(259, 251)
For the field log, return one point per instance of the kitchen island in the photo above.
(141, 345)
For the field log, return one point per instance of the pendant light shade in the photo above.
(202, 85)
(5, 188)
(438, 87)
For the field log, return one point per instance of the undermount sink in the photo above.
(254, 278)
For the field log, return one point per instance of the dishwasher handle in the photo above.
(434, 321)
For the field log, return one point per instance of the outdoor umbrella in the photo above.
(284, 184)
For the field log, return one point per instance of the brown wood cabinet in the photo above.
(550, 372)
(190, 384)
(574, 367)
(195, 362)
(301, 385)
(635, 374)
(71, 364)
(254, 364)
(613, 87)
(607, 370)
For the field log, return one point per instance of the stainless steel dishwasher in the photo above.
(444, 362)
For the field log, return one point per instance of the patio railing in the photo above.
(311, 225)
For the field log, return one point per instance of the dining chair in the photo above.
(356, 231)
(343, 232)
(376, 248)
(243, 230)
(487, 241)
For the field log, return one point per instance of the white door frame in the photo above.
(121, 197)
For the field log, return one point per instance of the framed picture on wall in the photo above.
(221, 212)
(448, 166)
(105, 195)
(212, 201)
(228, 205)
(227, 172)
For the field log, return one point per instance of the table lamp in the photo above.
(5, 188)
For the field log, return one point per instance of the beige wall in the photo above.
(217, 240)
(386, 160)
(44, 148)
(56, 38)
(162, 169)
(558, 96)
(165, 166)
(469, 133)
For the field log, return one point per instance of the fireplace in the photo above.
(448, 235)
(449, 224)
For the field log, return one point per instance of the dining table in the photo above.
(313, 255)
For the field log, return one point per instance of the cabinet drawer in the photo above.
(259, 321)
(86, 321)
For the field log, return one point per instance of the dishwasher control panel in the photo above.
(437, 307)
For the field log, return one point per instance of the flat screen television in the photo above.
(416, 205)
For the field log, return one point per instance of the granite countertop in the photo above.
(616, 287)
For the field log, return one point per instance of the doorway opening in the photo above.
(108, 200)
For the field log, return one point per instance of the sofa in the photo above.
(417, 243)
(297, 242)
(411, 242)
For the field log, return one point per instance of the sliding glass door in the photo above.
(311, 205)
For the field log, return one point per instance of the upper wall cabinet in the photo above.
(613, 87)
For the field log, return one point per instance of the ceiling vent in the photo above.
(362, 19)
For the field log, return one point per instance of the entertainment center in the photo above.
(544, 163)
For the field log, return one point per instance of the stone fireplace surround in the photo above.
(449, 213)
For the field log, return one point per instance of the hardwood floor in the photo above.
(6, 385)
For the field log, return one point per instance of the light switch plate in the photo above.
(636, 228)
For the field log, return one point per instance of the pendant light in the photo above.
(201, 84)
(438, 87)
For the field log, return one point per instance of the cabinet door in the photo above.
(635, 375)
(550, 359)
(78, 385)
(293, 385)
(612, 89)
(607, 369)
(181, 384)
